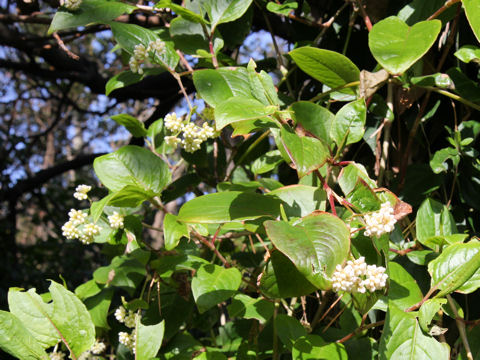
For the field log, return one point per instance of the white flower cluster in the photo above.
(122, 316)
(193, 135)
(57, 355)
(116, 220)
(127, 339)
(141, 54)
(381, 221)
(76, 228)
(72, 4)
(97, 349)
(357, 276)
(81, 192)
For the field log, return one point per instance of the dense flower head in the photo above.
(381, 221)
(135, 66)
(91, 229)
(120, 314)
(72, 4)
(98, 348)
(130, 319)
(70, 231)
(127, 339)
(116, 220)
(172, 122)
(140, 52)
(81, 192)
(77, 217)
(158, 46)
(191, 144)
(357, 276)
(172, 141)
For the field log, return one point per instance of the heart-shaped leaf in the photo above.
(316, 245)
(348, 125)
(396, 46)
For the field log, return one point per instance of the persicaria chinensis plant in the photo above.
(319, 202)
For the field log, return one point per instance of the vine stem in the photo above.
(445, 6)
(461, 328)
(360, 329)
(386, 136)
(275, 337)
(322, 95)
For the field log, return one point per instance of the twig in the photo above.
(184, 62)
(62, 46)
(359, 330)
(322, 95)
(364, 14)
(445, 6)
(386, 136)
(461, 328)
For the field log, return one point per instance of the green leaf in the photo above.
(30, 309)
(348, 125)
(403, 290)
(267, 162)
(90, 12)
(216, 86)
(180, 10)
(239, 109)
(190, 37)
(66, 318)
(457, 268)
(313, 118)
(468, 53)
(282, 9)
(213, 284)
(261, 85)
(133, 125)
(472, 10)
(121, 80)
(228, 206)
(316, 245)
(300, 200)
(428, 310)
(289, 329)
(173, 231)
(403, 338)
(148, 339)
(246, 307)
(132, 165)
(125, 271)
(464, 86)
(438, 79)
(16, 340)
(439, 160)
(281, 279)
(224, 11)
(98, 306)
(433, 220)
(396, 46)
(329, 67)
(350, 175)
(307, 153)
(130, 35)
(314, 347)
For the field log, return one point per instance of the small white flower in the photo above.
(120, 314)
(190, 130)
(57, 355)
(77, 217)
(135, 66)
(116, 220)
(206, 132)
(86, 239)
(98, 348)
(70, 231)
(72, 4)
(172, 141)
(172, 122)
(158, 46)
(140, 53)
(381, 221)
(81, 192)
